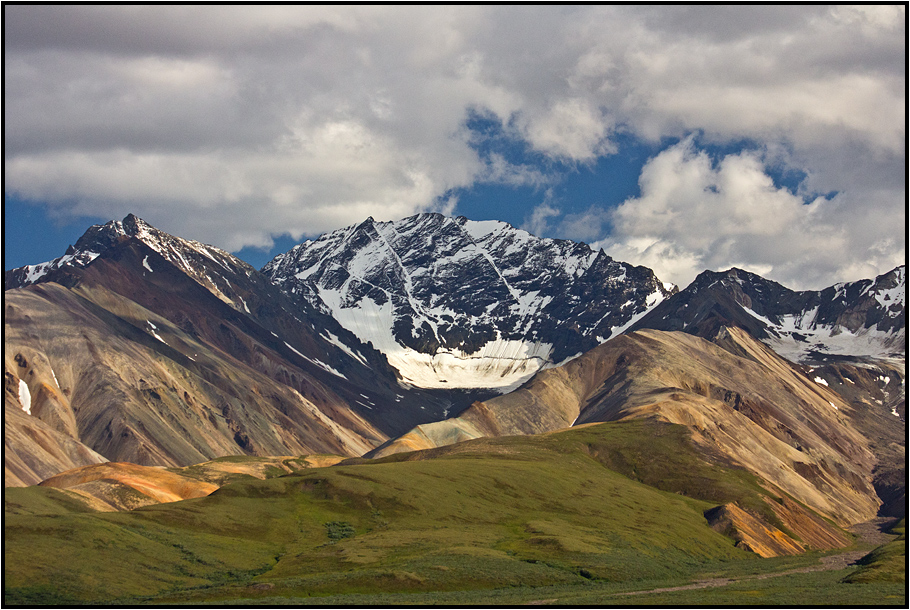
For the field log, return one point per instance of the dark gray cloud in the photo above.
(728, 23)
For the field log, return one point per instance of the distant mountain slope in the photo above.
(755, 409)
(457, 303)
(877, 392)
(863, 318)
(136, 386)
(34, 450)
(852, 337)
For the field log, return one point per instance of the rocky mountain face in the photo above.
(457, 303)
(876, 391)
(140, 346)
(863, 318)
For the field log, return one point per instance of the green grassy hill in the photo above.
(887, 563)
(618, 503)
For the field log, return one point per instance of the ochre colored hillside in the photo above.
(744, 402)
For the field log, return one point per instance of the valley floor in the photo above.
(544, 519)
(816, 581)
(812, 579)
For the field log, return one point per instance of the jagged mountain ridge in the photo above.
(191, 257)
(458, 303)
(862, 318)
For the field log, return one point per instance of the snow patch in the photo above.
(145, 263)
(350, 352)
(821, 381)
(35, 272)
(155, 334)
(553, 365)
(294, 350)
(653, 299)
(25, 397)
(501, 364)
(759, 317)
(478, 229)
(316, 361)
(325, 366)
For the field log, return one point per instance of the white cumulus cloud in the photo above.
(695, 213)
(232, 124)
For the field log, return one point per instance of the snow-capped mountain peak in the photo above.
(862, 318)
(200, 261)
(458, 303)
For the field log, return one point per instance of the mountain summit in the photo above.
(863, 318)
(203, 263)
(458, 303)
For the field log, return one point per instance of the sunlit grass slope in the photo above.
(562, 508)
(887, 563)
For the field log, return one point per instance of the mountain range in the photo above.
(422, 338)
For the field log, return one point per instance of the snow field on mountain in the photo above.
(827, 338)
(651, 301)
(478, 229)
(889, 296)
(836, 340)
(500, 364)
(80, 259)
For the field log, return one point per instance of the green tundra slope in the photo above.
(887, 563)
(620, 502)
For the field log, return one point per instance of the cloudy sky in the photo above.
(771, 138)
